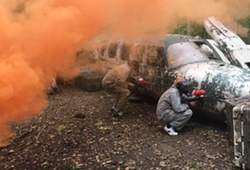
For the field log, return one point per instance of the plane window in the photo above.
(248, 65)
(111, 50)
(183, 53)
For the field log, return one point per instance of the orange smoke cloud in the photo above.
(39, 40)
(134, 18)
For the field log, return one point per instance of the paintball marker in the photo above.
(138, 81)
(139, 89)
(196, 95)
(140, 85)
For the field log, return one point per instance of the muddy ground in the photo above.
(77, 131)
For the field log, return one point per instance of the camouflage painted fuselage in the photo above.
(220, 80)
(163, 58)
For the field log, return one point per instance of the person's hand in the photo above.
(130, 84)
(193, 103)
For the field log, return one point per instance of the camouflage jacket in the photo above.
(118, 76)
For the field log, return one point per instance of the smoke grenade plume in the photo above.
(39, 39)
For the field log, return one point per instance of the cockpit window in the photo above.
(183, 53)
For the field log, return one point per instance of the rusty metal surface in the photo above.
(241, 127)
(164, 58)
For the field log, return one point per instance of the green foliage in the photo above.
(245, 22)
(61, 127)
(190, 28)
(76, 166)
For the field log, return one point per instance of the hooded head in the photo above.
(134, 64)
(181, 84)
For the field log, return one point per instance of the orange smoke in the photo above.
(39, 39)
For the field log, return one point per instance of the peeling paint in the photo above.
(163, 58)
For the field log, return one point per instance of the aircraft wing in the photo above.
(236, 50)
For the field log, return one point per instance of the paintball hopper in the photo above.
(142, 81)
(198, 92)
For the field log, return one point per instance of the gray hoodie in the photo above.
(169, 101)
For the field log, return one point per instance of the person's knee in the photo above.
(188, 113)
(127, 93)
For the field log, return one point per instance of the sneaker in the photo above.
(116, 112)
(113, 109)
(119, 113)
(170, 131)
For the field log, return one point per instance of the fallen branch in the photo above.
(23, 135)
(40, 133)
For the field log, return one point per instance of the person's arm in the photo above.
(176, 102)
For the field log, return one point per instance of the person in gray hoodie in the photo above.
(170, 111)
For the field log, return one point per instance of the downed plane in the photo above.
(218, 65)
(163, 58)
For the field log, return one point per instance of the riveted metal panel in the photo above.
(241, 129)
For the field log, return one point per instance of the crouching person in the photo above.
(117, 82)
(171, 111)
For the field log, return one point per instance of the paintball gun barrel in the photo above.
(196, 95)
(138, 81)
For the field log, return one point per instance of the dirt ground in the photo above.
(77, 131)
